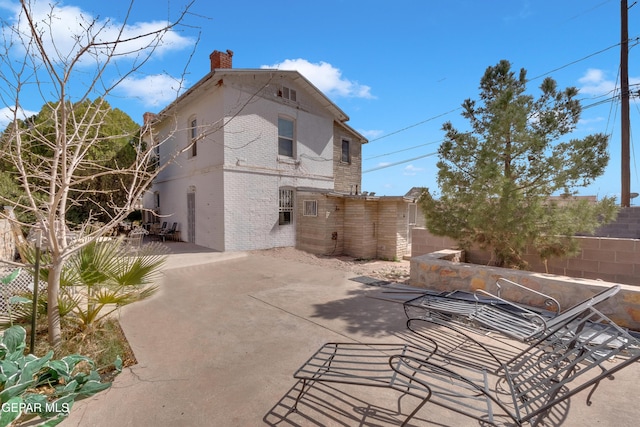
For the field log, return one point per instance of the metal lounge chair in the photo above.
(491, 312)
(523, 389)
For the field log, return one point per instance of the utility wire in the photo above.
(399, 163)
(406, 149)
(637, 41)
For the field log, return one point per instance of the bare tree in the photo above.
(52, 158)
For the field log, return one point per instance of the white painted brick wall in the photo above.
(237, 174)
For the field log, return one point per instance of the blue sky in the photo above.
(398, 69)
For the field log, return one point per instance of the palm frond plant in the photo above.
(103, 276)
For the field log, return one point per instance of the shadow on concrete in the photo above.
(373, 319)
(179, 247)
(325, 404)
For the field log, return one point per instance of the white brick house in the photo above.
(251, 139)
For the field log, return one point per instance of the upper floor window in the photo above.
(193, 137)
(285, 137)
(346, 153)
(288, 93)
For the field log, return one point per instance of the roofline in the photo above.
(340, 116)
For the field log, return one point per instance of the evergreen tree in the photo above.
(495, 180)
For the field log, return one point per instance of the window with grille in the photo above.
(310, 208)
(286, 207)
(285, 137)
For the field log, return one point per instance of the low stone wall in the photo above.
(600, 258)
(435, 271)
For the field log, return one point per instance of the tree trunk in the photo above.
(53, 313)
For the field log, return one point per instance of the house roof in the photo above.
(219, 73)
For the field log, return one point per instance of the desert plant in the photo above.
(103, 276)
(41, 386)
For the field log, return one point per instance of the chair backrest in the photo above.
(174, 226)
(553, 368)
(567, 315)
(164, 225)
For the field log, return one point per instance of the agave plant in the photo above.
(104, 276)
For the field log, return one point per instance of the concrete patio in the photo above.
(220, 341)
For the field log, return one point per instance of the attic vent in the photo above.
(287, 93)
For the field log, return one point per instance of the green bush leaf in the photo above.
(10, 392)
(10, 277)
(14, 339)
(92, 387)
(19, 300)
(10, 411)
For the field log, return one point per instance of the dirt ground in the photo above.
(393, 271)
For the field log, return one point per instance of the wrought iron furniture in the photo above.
(495, 313)
(525, 388)
(171, 232)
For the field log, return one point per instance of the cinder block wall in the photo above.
(314, 234)
(431, 271)
(601, 258)
(393, 230)
(626, 225)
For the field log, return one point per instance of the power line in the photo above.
(399, 163)
(637, 40)
(416, 124)
(406, 149)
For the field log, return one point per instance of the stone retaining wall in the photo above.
(435, 271)
(600, 258)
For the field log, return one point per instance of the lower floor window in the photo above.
(285, 207)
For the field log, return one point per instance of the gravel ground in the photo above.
(393, 271)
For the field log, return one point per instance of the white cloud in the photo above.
(594, 82)
(153, 91)
(6, 116)
(372, 133)
(325, 77)
(62, 26)
(383, 164)
(411, 170)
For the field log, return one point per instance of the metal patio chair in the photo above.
(525, 388)
(168, 232)
(492, 312)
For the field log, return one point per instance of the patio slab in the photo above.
(220, 341)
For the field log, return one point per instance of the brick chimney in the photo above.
(221, 59)
(148, 117)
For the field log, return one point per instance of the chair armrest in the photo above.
(548, 300)
(531, 316)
